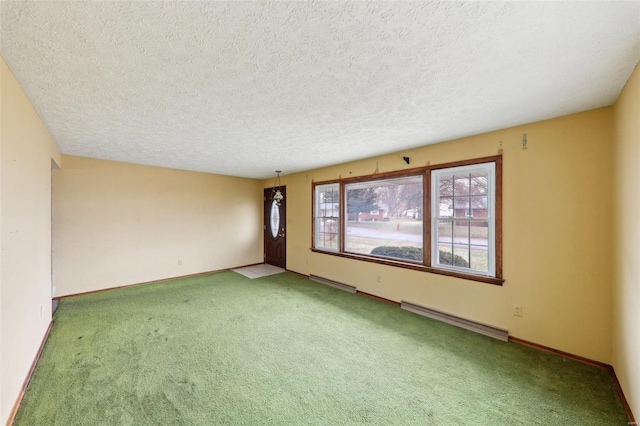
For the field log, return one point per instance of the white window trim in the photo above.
(316, 216)
(491, 216)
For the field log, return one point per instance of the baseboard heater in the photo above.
(335, 284)
(487, 330)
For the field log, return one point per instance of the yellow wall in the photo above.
(26, 151)
(626, 211)
(117, 224)
(557, 235)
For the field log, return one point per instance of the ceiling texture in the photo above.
(247, 88)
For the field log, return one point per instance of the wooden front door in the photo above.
(275, 229)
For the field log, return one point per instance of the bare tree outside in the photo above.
(386, 218)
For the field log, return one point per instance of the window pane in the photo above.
(461, 206)
(461, 255)
(445, 230)
(479, 259)
(384, 218)
(461, 232)
(446, 207)
(479, 183)
(445, 186)
(479, 232)
(444, 254)
(479, 206)
(461, 184)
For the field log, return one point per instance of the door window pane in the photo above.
(274, 223)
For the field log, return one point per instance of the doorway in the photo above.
(275, 229)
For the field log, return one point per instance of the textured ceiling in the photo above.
(245, 88)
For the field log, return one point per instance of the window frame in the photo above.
(315, 216)
(435, 217)
(426, 265)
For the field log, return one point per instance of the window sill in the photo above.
(414, 266)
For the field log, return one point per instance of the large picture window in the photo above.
(444, 219)
(384, 218)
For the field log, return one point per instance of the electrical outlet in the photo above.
(179, 262)
(517, 310)
(378, 278)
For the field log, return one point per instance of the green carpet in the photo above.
(281, 350)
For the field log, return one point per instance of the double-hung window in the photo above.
(327, 216)
(463, 219)
(444, 219)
